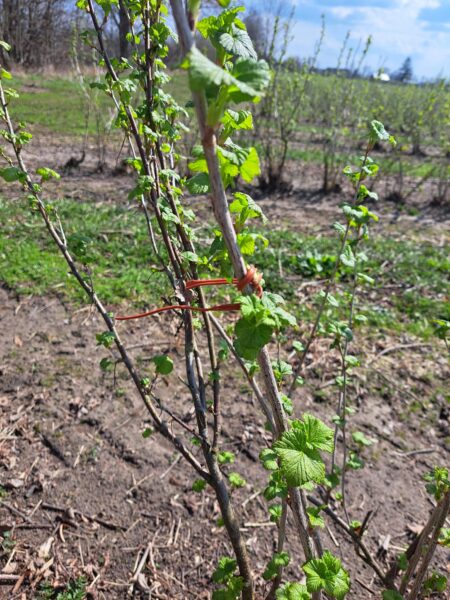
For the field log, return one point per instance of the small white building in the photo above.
(382, 77)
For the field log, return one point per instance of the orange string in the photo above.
(252, 277)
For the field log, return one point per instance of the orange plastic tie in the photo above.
(252, 277)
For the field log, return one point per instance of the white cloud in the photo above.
(398, 31)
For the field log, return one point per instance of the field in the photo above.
(86, 495)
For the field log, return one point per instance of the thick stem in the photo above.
(223, 218)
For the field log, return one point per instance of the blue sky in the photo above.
(400, 28)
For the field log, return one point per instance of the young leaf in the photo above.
(236, 480)
(278, 561)
(327, 574)
(269, 459)
(360, 438)
(293, 591)
(164, 364)
(199, 485)
(238, 42)
(226, 568)
(298, 451)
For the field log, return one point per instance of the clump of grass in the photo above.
(118, 260)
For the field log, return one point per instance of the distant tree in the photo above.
(405, 73)
(258, 31)
(123, 28)
(38, 31)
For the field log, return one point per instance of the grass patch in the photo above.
(110, 241)
(410, 289)
(59, 105)
(411, 286)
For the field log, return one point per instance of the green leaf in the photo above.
(269, 459)
(251, 337)
(277, 562)
(377, 132)
(360, 438)
(347, 257)
(246, 82)
(106, 339)
(327, 574)
(444, 538)
(275, 512)
(147, 432)
(293, 591)
(199, 184)
(10, 174)
(246, 207)
(164, 364)
(435, 583)
(46, 173)
(315, 520)
(224, 571)
(298, 451)
(392, 595)
(225, 458)
(5, 46)
(251, 168)
(199, 485)
(238, 42)
(236, 480)
(106, 364)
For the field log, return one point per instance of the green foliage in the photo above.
(392, 595)
(224, 574)
(315, 520)
(327, 574)
(277, 562)
(106, 339)
(360, 439)
(438, 483)
(261, 317)
(299, 451)
(164, 364)
(225, 458)
(236, 480)
(293, 591)
(444, 537)
(199, 485)
(436, 583)
(74, 590)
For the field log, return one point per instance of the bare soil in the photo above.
(86, 494)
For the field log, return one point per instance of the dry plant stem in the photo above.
(223, 218)
(432, 528)
(259, 395)
(193, 363)
(160, 425)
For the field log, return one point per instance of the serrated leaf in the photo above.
(199, 184)
(278, 561)
(238, 42)
(269, 459)
(225, 569)
(298, 451)
(327, 574)
(236, 480)
(293, 591)
(246, 82)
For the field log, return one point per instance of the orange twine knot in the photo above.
(251, 278)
